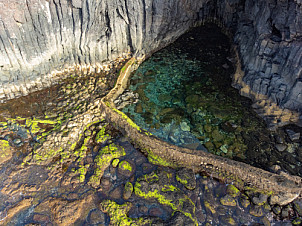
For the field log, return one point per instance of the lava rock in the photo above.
(228, 200)
(293, 136)
(259, 199)
(232, 191)
(281, 147)
(126, 168)
(128, 189)
(277, 210)
(187, 178)
(256, 211)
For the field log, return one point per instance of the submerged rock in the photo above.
(187, 178)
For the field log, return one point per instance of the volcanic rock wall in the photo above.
(40, 39)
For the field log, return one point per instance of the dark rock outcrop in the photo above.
(42, 39)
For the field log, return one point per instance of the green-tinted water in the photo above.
(186, 98)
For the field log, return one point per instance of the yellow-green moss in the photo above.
(124, 116)
(82, 170)
(157, 160)
(4, 148)
(232, 190)
(209, 207)
(101, 136)
(182, 181)
(125, 166)
(155, 194)
(118, 214)
(129, 187)
(103, 160)
(115, 162)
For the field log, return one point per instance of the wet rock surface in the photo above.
(200, 110)
(73, 167)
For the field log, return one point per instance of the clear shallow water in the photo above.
(186, 98)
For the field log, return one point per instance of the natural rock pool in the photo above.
(183, 94)
(63, 163)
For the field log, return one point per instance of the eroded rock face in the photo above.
(42, 39)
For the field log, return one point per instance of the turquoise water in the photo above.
(186, 98)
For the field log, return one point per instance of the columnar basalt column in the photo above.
(43, 39)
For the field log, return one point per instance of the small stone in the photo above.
(232, 191)
(285, 212)
(184, 127)
(297, 221)
(116, 193)
(207, 128)
(143, 209)
(276, 168)
(128, 190)
(244, 201)
(277, 210)
(256, 211)
(115, 162)
(155, 212)
(259, 199)
(17, 142)
(293, 136)
(209, 207)
(227, 220)
(228, 200)
(147, 168)
(224, 148)
(217, 135)
(139, 108)
(126, 168)
(281, 147)
(225, 66)
(41, 218)
(96, 217)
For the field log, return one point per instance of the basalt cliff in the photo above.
(42, 39)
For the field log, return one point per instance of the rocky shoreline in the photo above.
(80, 167)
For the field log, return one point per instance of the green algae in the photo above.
(209, 207)
(5, 150)
(115, 163)
(128, 190)
(101, 136)
(124, 165)
(118, 214)
(81, 171)
(233, 191)
(157, 160)
(124, 116)
(129, 121)
(182, 181)
(163, 193)
(103, 160)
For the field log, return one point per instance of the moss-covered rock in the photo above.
(126, 168)
(187, 178)
(157, 185)
(232, 191)
(118, 214)
(103, 160)
(128, 190)
(228, 200)
(5, 151)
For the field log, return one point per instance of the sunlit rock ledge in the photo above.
(43, 39)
